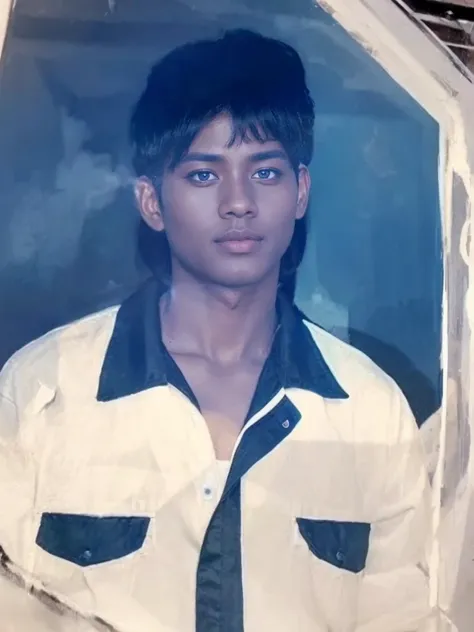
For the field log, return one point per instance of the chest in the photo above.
(224, 395)
(145, 452)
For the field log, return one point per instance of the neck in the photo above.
(221, 324)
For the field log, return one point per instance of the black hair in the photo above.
(259, 81)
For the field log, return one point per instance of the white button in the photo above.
(208, 492)
(286, 424)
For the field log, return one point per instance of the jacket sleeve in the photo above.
(24, 605)
(395, 588)
(17, 475)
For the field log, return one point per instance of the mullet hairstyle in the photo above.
(259, 82)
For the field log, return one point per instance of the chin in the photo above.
(238, 281)
(236, 274)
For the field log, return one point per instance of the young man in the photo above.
(203, 458)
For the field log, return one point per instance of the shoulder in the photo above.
(349, 365)
(73, 339)
(374, 396)
(71, 353)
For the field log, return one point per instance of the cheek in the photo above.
(277, 209)
(188, 211)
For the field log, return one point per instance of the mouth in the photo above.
(239, 242)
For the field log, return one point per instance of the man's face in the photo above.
(228, 210)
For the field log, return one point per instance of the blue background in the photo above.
(373, 269)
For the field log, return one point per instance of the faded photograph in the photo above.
(221, 266)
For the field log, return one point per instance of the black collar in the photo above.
(136, 358)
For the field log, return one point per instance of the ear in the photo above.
(304, 186)
(148, 203)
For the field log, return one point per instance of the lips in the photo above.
(239, 241)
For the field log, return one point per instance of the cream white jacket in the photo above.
(112, 512)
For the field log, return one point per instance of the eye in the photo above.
(267, 174)
(202, 177)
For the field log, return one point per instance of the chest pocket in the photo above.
(87, 540)
(341, 544)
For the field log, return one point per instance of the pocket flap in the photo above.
(342, 544)
(87, 540)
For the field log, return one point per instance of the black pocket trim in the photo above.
(88, 540)
(342, 544)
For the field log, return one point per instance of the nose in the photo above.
(237, 199)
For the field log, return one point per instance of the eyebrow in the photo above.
(260, 156)
(200, 157)
(271, 154)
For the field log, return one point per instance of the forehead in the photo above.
(219, 137)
